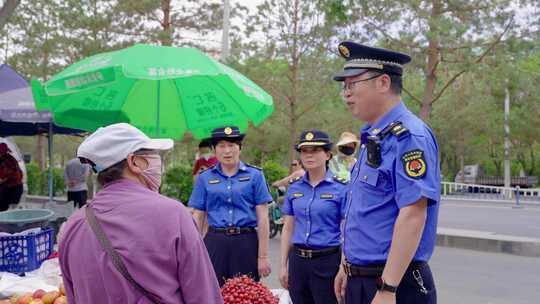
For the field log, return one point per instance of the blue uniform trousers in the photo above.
(361, 290)
(233, 255)
(311, 280)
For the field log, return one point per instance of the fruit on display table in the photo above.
(244, 290)
(39, 296)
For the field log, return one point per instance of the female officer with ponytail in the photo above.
(310, 240)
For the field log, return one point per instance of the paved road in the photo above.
(492, 217)
(469, 277)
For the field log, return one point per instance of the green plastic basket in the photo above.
(13, 221)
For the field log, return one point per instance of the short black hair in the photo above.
(216, 141)
(113, 173)
(396, 82)
(205, 143)
(116, 171)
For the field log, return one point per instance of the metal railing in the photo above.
(483, 192)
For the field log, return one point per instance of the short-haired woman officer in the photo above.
(313, 210)
(233, 197)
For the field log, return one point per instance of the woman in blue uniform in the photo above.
(233, 197)
(310, 240)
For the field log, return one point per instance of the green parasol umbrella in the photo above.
(164, 91)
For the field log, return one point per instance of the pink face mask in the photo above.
(152, 174)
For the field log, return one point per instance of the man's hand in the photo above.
(264, 266)
(384, 297)
(340, 284)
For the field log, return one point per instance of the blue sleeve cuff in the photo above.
(199, 206)
(265, 201)
(410, 195)
(286, 211)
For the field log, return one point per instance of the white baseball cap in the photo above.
(347, 138)
(112, 144)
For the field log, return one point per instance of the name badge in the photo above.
(214, 181)
(244, 178)
(326, 196)
(297, 194)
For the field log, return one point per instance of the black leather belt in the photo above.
(232, 230)
(314, 253)
(375, 270)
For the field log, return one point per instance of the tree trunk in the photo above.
(166, 37)
(7, 10)
(432, 61)
(294, 66)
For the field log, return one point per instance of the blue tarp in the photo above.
(18, 115)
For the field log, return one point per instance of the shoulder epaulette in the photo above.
(293, 180)
(341, 180)
(399, 131)
(396, 128)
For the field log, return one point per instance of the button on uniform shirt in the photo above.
(157, 240)
(76, 173)
(230, 201)
(409, 171)
(317, 211)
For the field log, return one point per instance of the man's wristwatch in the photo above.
(382, 286)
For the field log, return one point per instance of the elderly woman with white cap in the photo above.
(342, 164)
(131, 244)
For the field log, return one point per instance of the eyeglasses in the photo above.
(349, 86)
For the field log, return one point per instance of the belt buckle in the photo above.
(306, 253)
(232, 231)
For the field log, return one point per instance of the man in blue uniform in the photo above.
(313, 210)
(394, 191)
(233, 196)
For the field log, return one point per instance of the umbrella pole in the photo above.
(158, 106)
(50, 144)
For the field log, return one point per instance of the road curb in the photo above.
(482, 201)
(488, 242)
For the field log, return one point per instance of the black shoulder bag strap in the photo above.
(115, 257)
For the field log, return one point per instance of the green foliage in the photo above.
(289, 49)
(59, 188)
(273, 171)
(178, 183)
(38, 180)
(36, 184)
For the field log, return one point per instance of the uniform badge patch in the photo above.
(309, 136)
(414, 163)
(214, 181)
(344, 51)
(227, 131)
(244, 178)
(297, 194)
(327, 196)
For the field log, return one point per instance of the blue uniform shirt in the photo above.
(317, 210)
(230, 201)
(408, 172)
